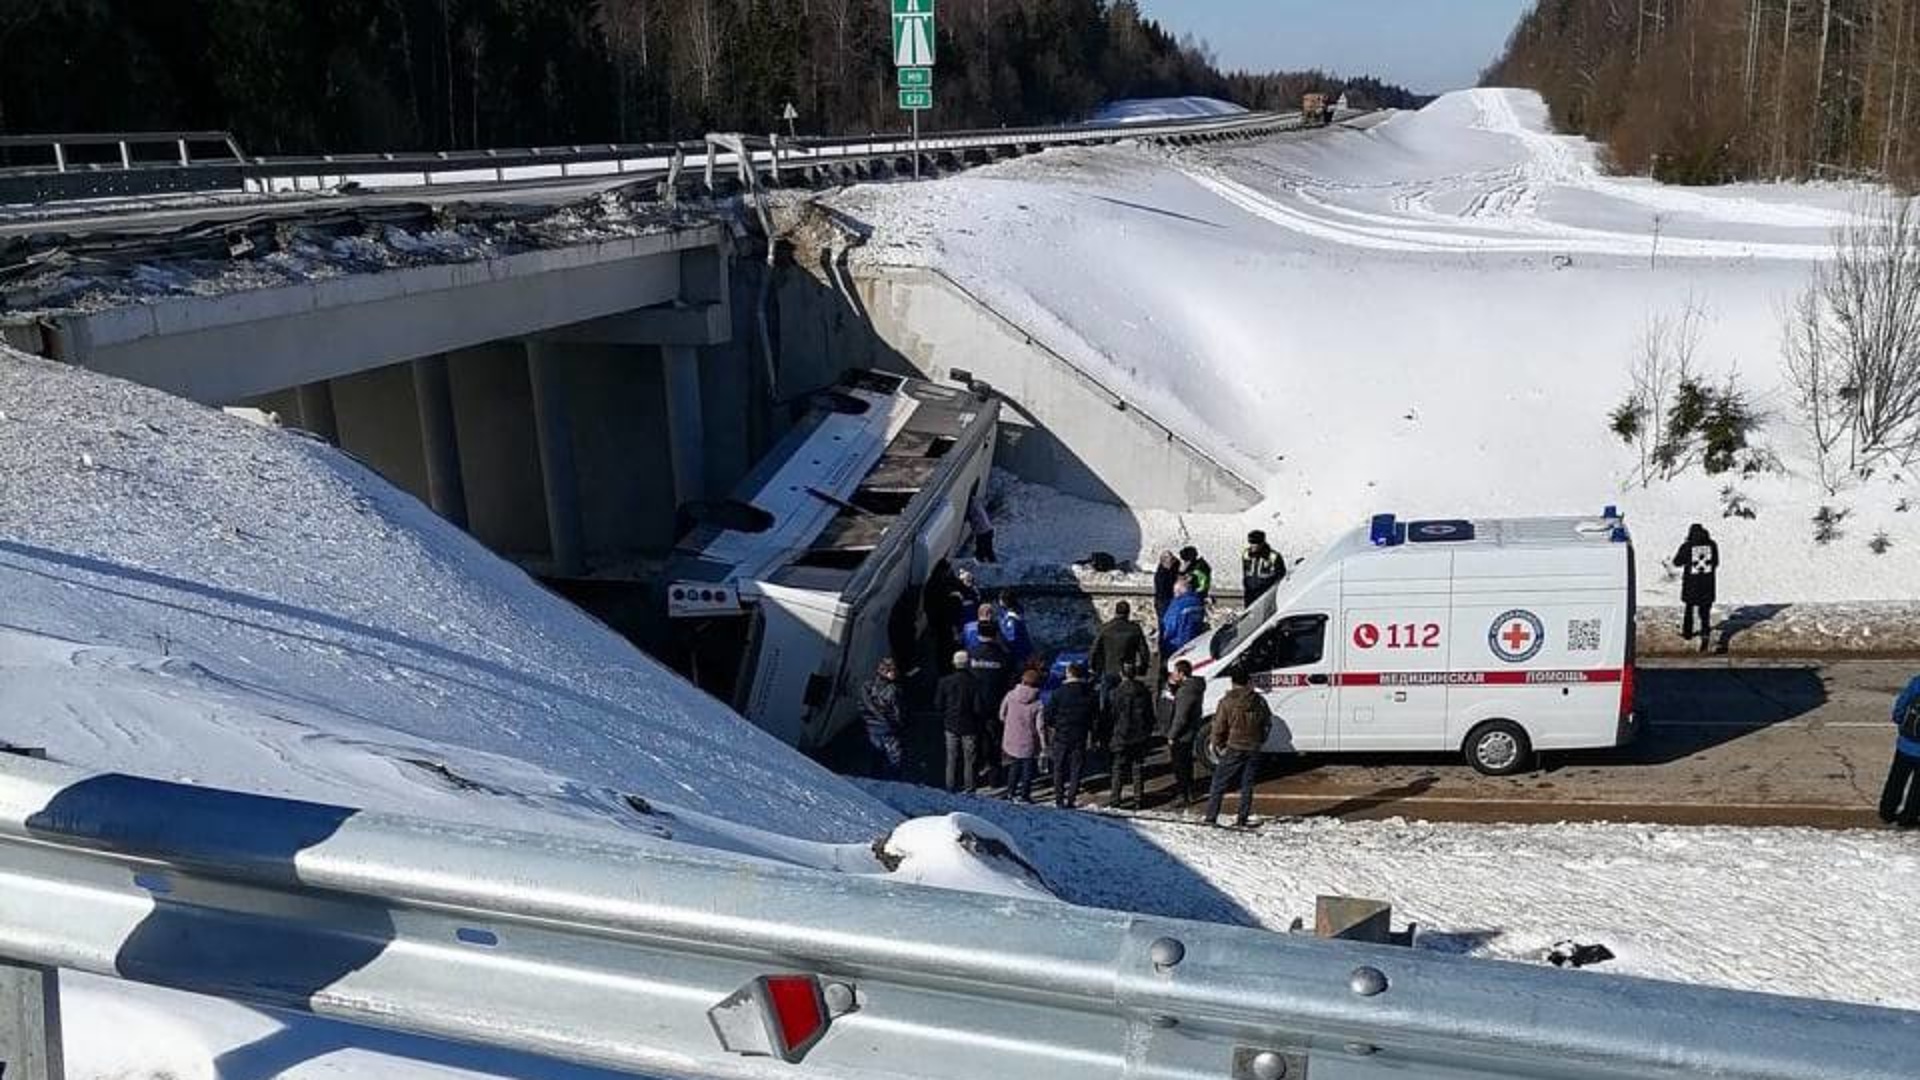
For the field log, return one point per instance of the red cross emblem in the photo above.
(1516, 636)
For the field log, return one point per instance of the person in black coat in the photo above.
(1132, 724)
(1699, 563)
(1068, 719)
(1119, 645)
(1183, 726)
(962, 712)
(1164, 575)
(992, 667)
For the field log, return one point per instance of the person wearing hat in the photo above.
(962, 711)
(1197, 571)
(1261, 567)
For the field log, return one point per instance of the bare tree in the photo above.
(1854, 347)
(1818, 379)
(1663, 361)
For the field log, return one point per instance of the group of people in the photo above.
(1002, 730)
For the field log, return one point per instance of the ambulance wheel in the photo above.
(1205, 758)
(1499, 748)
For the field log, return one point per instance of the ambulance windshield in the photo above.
(1249, 623)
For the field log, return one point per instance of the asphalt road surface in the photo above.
(1730, 741)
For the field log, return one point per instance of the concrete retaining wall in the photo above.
(1063, 428)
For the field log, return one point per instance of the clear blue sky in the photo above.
(1424, 45)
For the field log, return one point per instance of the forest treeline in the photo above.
(290, 76)
(1705, 91)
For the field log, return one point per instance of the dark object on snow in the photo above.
(1101, 562)
(1572, 954)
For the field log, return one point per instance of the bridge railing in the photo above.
(49, 168)
(59, 175)
(670, 963)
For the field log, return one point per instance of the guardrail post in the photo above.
(185, 158)
(59, 157)
(126, 155)
(30, 1023)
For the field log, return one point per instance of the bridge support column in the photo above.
(316, 410)
(30, 1022)
(553, 430)
(686, 430)
(440, 439)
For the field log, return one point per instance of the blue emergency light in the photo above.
(1386, 531)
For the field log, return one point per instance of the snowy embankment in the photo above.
(1778, 911)
(189, 596)
(1433, 316)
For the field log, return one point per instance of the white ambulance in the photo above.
(1495, 638)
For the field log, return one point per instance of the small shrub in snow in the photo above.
(1735, 505)
(1826, 524)
(1881, 543)
(1627, 420)
(1903, 506)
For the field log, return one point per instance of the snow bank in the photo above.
(196, 597)
(189, 596)
(1148, 110)
(1431, 317)
(1779, 911)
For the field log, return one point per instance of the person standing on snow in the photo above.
(1900, 801)
(1240, 728)
(1183, 726)
(880, 710)
(1197, 571)
(1261, 567)
(1131, 738)
(1699, 563)
(993, 669)
(982, 526)
(1069, 717)
(961, 708)
(1119, 645)
(1165, 573)
(1185, 618)
(1022, 738)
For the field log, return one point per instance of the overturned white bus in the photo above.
(784, 597)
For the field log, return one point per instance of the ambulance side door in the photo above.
(1290, 664)
(1397, 635)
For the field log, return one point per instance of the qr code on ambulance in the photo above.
(1583, 635)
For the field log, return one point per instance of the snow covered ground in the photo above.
(1433, 316)
(190, 596)
(1147, 110)
(1780, 911)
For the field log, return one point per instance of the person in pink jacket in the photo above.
(1022, 738)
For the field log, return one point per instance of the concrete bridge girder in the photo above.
(495, 392)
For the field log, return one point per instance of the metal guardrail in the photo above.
(264, 175)
(686, 965)
(134, 170)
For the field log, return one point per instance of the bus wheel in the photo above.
(1205, 757)
(1499, 748)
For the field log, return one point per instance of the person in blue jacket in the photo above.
(1183, 620)
(1900, 803)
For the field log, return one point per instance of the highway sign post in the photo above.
(913, 54)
